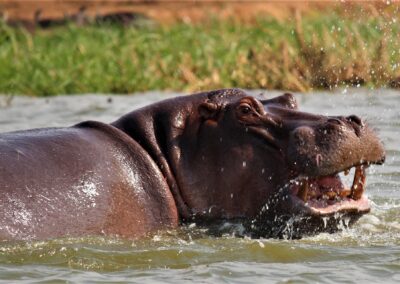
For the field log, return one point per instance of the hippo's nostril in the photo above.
(382, 160)
(355, 119)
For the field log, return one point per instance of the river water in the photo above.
(369, 252)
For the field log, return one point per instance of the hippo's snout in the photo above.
(329, 146)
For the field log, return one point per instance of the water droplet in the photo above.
(346, 222)
(325, 220)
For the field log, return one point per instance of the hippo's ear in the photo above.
(208, 110)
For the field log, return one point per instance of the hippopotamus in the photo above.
(201, 158)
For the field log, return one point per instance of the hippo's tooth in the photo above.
(357, 189)
(303, 191)
(329, 195)
(345, 192)
(346, 172)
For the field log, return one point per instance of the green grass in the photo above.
(322, 51)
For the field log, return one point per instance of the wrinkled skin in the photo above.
(221, 155)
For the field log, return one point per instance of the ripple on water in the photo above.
(367, 252)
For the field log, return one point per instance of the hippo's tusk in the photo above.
(303, 191)
(357, 189)
(318, 159)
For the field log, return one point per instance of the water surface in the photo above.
(367, 252)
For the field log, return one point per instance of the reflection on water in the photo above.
(368, 252)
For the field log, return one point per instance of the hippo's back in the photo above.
(85, 180)
(39, 156)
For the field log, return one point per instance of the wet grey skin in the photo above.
(212, 156)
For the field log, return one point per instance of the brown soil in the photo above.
(32, 11)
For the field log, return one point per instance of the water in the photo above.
(368, 252)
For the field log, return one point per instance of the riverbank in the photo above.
(316, 51)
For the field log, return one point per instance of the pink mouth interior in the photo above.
(327, 194)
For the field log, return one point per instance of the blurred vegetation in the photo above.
(314, 52)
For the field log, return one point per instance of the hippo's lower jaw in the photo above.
(308, 206)
(327, 195)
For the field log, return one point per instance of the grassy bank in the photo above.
(323, 51)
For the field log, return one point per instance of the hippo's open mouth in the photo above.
(314, 205)
(327, 195)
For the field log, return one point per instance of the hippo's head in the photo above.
(228, 155)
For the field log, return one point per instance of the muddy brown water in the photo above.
(369, 252)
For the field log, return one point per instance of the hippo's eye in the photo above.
(245, 109)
